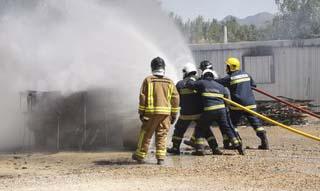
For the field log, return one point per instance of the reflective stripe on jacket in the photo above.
(239, 83)
(211, 93)
(190, 102)
(158, 95)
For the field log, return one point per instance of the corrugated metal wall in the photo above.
(296, 65)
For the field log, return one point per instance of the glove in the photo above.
(193, 78)
(173, 119)
(143, 118)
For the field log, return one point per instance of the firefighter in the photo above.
(226, 144)
(205, 64)
(214, 110)
(240, 85)
(191, 108)
(158, 108)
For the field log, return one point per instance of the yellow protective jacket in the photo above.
(158, 95)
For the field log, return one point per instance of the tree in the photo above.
(298, 19)
(201, 31)
(215, 32)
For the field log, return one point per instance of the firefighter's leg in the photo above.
(205, 122)
(192, 141)
(233, 117)
(147, 129)
(224, 125)
(260, 131)
(199, 141)
(179, 130)
(161, 137)
(212, 141)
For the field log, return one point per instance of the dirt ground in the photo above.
(293, 163)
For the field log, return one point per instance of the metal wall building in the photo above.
(282, 68)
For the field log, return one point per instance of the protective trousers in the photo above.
(226, 142)
(158, 124)
(253, 120)
(220, 117)
(179, 130)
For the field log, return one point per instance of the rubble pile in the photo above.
(283, 113)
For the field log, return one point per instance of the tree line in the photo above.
(296, 19)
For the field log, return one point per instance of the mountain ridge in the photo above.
(259, 19)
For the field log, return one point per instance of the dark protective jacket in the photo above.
(240, 85)
(211, 93)
(190, 102)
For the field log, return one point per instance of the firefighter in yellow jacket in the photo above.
(158, 108)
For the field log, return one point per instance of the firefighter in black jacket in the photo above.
(214, 110)
(239, 84)
(191, 108)
(205, 64)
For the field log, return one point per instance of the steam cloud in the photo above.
(73, 45)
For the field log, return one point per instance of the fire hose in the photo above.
(287, 103)
(271, 120)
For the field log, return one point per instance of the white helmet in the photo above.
(212, 72)
(188, 68)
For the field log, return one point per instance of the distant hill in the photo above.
(258, 20)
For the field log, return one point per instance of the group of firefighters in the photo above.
(199, 98)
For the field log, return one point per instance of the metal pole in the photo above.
(21, 102)
(271, 120)
(287, 103)
(58, 134)
(24, 124)
(84, 119)
(106, 126)
(225, 32)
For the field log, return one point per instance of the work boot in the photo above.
(227, 145)
(240, 149)
(173, 150)
(264, 141)
(264, 145)
(199, 150)
(216, 151)
(138, 159)
(214, 146)
(198, 153)
(237, 144)
(160, 162)
(189, 143)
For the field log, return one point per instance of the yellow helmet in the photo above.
(233, 63)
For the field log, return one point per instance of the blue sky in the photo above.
(218, 8)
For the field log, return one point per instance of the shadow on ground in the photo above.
(115, 162)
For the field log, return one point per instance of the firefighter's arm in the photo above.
(225, 81)
(192, 83)
(142, 97)
(252, 82)
(226, 93)
(175, 102)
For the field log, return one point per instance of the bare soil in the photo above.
(293, 163)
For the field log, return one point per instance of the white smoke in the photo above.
(73, 45)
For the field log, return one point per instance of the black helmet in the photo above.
(157, 64)
(206, 65)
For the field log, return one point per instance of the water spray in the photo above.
(75, 45)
